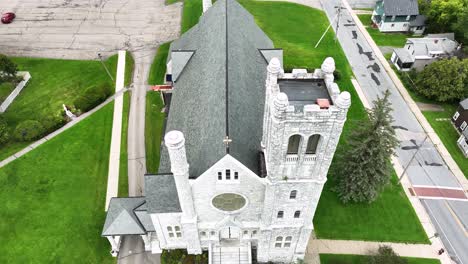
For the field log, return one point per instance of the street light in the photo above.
(105, 67)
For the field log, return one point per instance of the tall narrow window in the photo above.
(312, 144)
(456, 115)
(279, 242)
(220, 175)
(236, 175)
(287, 242)
(293, 194)
(297, 214)
(293, 144)
(228, 174)
(178, 231)
(463, 126)
(280, 214)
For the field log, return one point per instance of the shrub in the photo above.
(92, 97)
(386, 255)
(7, 67)
(337, 74)
(29, 130)
(4, 134)
(444, 81)
(53, 122)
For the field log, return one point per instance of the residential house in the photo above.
(419, 52)
(398, 16)
(460, 121)
(259, 143)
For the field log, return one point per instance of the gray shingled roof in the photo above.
(221, 89)
(464, 104)
(121, 220)
(401, 7)
(161, 194)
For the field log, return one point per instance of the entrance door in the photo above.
(230, 232)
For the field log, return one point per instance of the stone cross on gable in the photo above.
(227, 140)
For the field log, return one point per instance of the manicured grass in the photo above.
(154, 121)
(53, 198)
(123, 167)
(53, 83)
(440, 122)
(191, 14)
(170, 2)
(391, 217)
(5, 89)
(158, 68)
(357, 259)
(129, 67)
(384, 39)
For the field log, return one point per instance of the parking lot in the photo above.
(79, 29)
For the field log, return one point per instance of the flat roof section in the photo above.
(302, 92)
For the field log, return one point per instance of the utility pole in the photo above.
(411, 160)
(105, 67)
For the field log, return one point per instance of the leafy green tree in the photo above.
(386, 255)
(444, 80)
(7, 68)
(4, 134)
(365, 164)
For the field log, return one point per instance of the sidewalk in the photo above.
(352, 247)
(114, 157)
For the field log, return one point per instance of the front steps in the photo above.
(230, 254)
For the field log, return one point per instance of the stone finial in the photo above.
(328, 65)
(344, 100)
(175, 143)
(280, 103)
(274, 66)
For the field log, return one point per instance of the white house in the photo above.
(419, 52)
(460, 122)
(398, 16)
(246, 151)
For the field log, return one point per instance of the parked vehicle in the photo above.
(8, 17)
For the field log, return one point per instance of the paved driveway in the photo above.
(79, 29)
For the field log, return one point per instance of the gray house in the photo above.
(398, 16)
(419, 52)
(460, 121)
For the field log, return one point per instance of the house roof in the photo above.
(464, 104)
(221, 90)
(400, 7)
(404, 55)
(161, 194)
(121, 219)
(427, 46)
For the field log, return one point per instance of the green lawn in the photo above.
(55, 82)
(53, 198)
(154, 121)
(158, 68)
(123, 167)
(391, 217)
(5, 89)
(191, 14)
(357, 259)
(440, 122)
(384, 39)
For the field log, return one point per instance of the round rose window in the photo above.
(229, 202)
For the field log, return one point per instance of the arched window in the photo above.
(280, 214)
(312, 144)
(297, 214)
(293, 194)
(293, 144)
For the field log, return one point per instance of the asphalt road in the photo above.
(79, 29)
(428, 168)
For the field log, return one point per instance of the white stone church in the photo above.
(246, 151)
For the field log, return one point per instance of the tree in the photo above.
(365, 165)
(386, 255)
(4, 135)
(444, 80)
(7, 67)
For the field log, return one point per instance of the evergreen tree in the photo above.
(365, 164)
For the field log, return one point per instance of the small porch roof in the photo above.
(404, 55)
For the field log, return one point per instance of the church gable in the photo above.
(228, 188)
